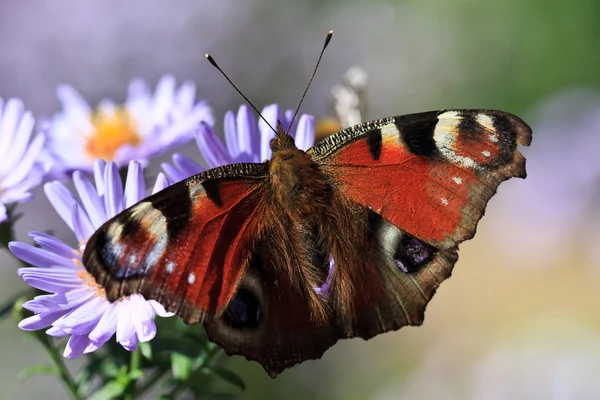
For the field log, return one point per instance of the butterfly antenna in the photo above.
(214, 64)
(327, 40)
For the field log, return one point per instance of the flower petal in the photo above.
(24, 167)
(211, 147)
(36, 256)
(186, 164)
(61, 199)
(272, 113)
(107, 325)
(113, 198)
(76, 346)
(135, 187)
(19, 146)
(305, 134)
(99, 168)
(248, 136)
(8, 125)
(161, 183)
(82, 226)
(52, 244)
(39, 321)
(92, 202)
(231, 134)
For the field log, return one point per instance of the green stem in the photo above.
(58, 361)
(134, 366)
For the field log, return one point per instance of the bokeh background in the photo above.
(519, 319)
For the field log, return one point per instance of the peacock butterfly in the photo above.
(351, 238)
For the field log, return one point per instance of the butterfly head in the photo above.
(282, 142)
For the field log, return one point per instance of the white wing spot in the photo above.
(457, 179)
(170, 267)
(444, 201)
(132, 259)
(486, 153)
(191, 278)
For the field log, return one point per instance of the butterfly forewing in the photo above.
(185, 246)
(432, 173)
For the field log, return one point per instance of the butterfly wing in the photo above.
(186, 246)
(432, 173)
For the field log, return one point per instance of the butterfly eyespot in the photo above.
(243, 311)
(412, 254)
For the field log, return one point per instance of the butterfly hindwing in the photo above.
(184, 246)
(432, 173)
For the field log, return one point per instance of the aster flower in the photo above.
(77, 306)
(147, 124)
(245, 140)
(21, 167)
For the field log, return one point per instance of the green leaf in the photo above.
(146, 350)
(181, 365)
(38, 369)
(230, 377)
(112, 390)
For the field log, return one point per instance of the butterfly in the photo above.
(351, 238)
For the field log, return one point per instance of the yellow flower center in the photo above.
(90, 281)
(111, 131)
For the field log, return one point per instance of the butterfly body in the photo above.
(351, 238)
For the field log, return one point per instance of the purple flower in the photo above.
(245, 140)
(21, 167)
(147, 124)
(78, 306)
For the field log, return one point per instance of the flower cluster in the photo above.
(81, 140)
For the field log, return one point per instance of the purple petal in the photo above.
(231, 134)
(3, 214)
(61, 199)
(39, 321)
(163, 99)
(174, 174)
(19, 147)
(49, 282)
(82, 226)
(82, 320)
(38, 257)
(161, 183)
(76, 109)
(289, 114)
(59, 301)
(135, 187)
(99, 168)
(107, 325)
(125, 330)
(92, 202)
(305, 134)
(186, 164)
(8, 125)
(272, 114)
(52, 244)
(26, 164)
(113, 199)
(211, 147)
(76, 346)
(159, 309)
(247, 135)
(56, 332)
(143, 319)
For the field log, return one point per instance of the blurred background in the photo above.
(519, 319)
